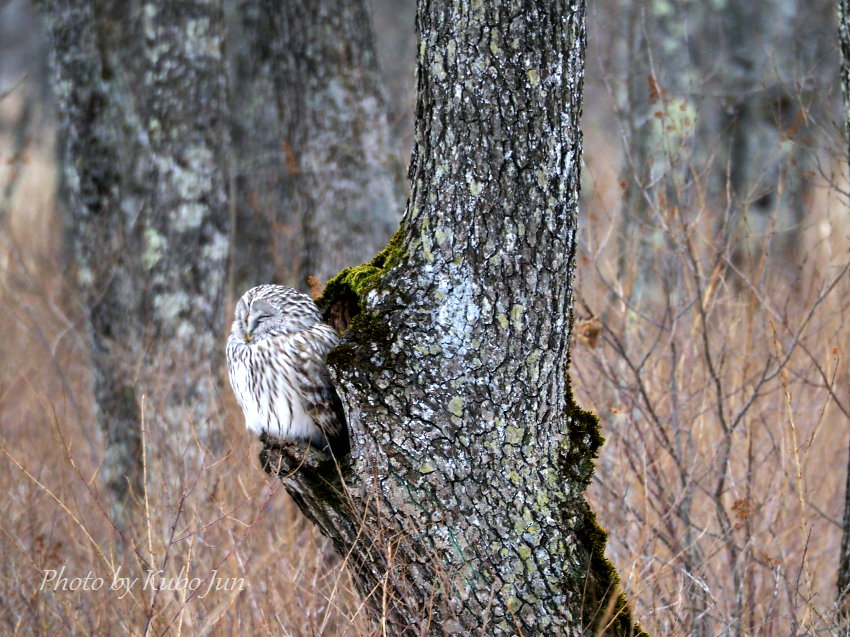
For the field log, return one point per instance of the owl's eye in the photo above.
(261, 310)
(256, 319)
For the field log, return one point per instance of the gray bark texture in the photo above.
(843, 583)
(461, 507)
(344, 184)
(141, 95)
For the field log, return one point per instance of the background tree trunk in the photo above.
(715, 116)
(761, 123)
(345, 186)
(656, 81)
(463, 508)
(265, 238)
(146, 193)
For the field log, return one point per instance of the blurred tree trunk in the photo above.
(344, 184)
(721, 108)
(843, 584)
(266, 241)
(317, 187)
(658, 122)
(463, 508)
(141, 94)
(769, 73)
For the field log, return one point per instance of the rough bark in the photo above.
(141, 95)
(463, 508)
(344, 183)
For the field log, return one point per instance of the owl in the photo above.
(276, 361)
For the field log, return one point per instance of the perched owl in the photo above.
(276, 359)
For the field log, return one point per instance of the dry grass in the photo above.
(218, 522)
(720, 379)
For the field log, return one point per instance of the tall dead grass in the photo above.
(718, 370)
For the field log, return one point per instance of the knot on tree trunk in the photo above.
(302, 467)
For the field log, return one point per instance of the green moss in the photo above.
(602, 581)
(362, 279)
(343, 304)
(582, 443)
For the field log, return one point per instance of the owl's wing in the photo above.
(313, 382)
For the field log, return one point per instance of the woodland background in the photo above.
(711, 340)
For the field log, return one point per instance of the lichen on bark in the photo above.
(145, 183)
(469, 457)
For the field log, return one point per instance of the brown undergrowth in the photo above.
(714, 353)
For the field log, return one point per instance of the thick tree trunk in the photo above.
(344, 184)
(463, 508)
(141, 95)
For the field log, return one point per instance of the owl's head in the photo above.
(267, 311)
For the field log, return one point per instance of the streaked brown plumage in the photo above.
(276, 360)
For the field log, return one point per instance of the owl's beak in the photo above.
(247, 337)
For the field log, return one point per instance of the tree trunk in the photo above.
(187, 224)
(766, 67)
(344, 184)
(657, 118)
(265, 242)
(463, 508)
(141, 95)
